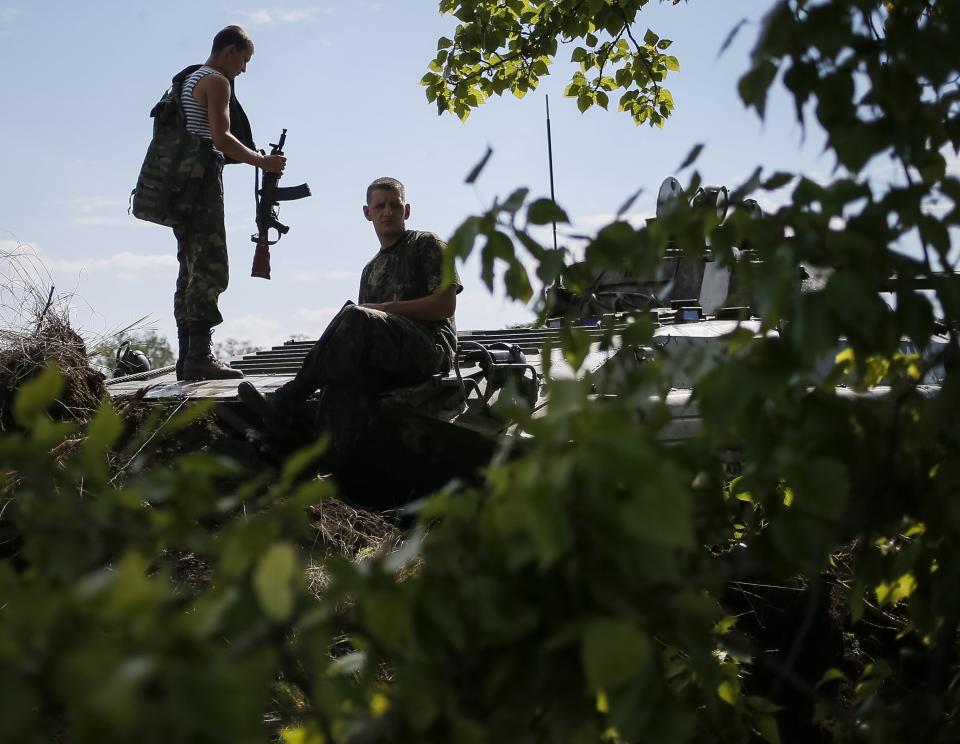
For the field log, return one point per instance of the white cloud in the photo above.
(264, 332)
(316, 317)
(271, 16)
(98, 211)
(25, 264)
(105, 220)
(126, 262)
(296, 16)
(335, 276)
(260, 330)
(94, 204)
(258, 18)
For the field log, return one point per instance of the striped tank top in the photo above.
(197, 120)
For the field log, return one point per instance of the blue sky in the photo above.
(79, 80)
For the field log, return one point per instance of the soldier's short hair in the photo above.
(386, 184)
(232, 36)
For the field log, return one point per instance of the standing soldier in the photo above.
(213, 114)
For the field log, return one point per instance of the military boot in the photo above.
(201, 364)
(282, 417)
(183, 342)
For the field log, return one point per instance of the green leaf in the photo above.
(35, 396)
(625, 207)
(463, 240)
(778, 181)
(729, 692)
(301, 461)
(518, 283)
(691, 157)
(192, 413)
(515, 200)
(478, 168)
(575, 343)
(896, 591)
(754, 85)
(273, 581)
(725, 624)
(102, 432)
(666, 522)
(672, 64)
(387, 615)
(650, 38)
(545, 211)
(349, 664)
(301, 735)
(498, 247)
(768, 729)
(614, 652)
(731, 36)
(831, 675)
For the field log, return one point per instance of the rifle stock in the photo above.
(269, 197)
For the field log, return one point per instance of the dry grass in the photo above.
(344, 530)
(34, 332)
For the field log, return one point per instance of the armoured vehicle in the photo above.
(409, 441)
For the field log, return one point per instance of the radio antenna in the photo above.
(553, 197)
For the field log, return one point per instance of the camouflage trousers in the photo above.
(202, 255)
(367, 351)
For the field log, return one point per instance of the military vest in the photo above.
(177, 160)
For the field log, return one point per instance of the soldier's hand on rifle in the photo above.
(274, 163)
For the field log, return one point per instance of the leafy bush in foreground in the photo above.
(602, 587)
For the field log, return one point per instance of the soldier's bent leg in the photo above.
(368, 351)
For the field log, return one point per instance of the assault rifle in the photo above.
(268, 199)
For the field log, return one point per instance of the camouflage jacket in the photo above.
(407, 270)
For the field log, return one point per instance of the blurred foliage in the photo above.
(603, 587)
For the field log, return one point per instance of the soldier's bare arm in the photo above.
(213, 91)
(437, 306)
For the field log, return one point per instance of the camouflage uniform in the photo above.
(369, 351)
(202, 254)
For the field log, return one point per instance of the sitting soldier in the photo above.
(401, 332)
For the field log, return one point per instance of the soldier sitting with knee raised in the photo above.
(401, 332)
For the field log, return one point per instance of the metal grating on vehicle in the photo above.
(286, 359)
